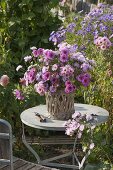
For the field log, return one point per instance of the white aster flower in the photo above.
(18, 68)
(33, 48)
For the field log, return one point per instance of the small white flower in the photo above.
(93, 127)
(84, 149)
(81, 127)
(33, 48)
(27, 58)
(18, 68)
(91, 146)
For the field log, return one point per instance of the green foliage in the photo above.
(23, 24)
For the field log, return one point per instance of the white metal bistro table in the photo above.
(29, 118)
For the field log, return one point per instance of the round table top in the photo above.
(29, 118)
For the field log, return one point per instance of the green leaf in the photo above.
(3, 4)
(28, 16)
(0, 38)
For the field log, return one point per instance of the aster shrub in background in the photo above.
(51, 70)
(93, 36)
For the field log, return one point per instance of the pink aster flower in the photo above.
(30, 76)
(22, 81)
(54, 67)
(76, 114)
(81, 128)
(102, 42)
(28, 58)
(79, 135)
(67, 71)
(40, 88)
(4, 80)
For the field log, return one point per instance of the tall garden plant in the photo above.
(23, 23)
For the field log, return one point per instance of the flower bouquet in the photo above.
(57, 75)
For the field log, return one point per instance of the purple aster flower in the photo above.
(76, 65)
(49, 54)
(88, 117)
(52, 89)
(30, 76)
(63, 58)
(71, 27)
(68, 83)
(92, 62)
(38, 76)
(40, 51)
(18, 94)
(64, 51)
(35, 53)
(73, 48)
(45, 69)
(85, 67)
(59, 36)
(69, 88)
(54, 79)
(46, 76)
(84, 79)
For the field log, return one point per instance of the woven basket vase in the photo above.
(60, 105)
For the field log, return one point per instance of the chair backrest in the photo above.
(6, 155)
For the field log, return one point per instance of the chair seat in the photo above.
(20, 164)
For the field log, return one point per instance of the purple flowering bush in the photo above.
(92, 35)
(51, 70)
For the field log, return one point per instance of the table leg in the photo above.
(74, 156)
(28, 146)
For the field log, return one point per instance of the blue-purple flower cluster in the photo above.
(97, 23)
(60, 35)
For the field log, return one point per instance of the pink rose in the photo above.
(4, 80)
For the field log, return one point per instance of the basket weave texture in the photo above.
(60, 105)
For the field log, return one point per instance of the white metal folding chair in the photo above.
(6, 155)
